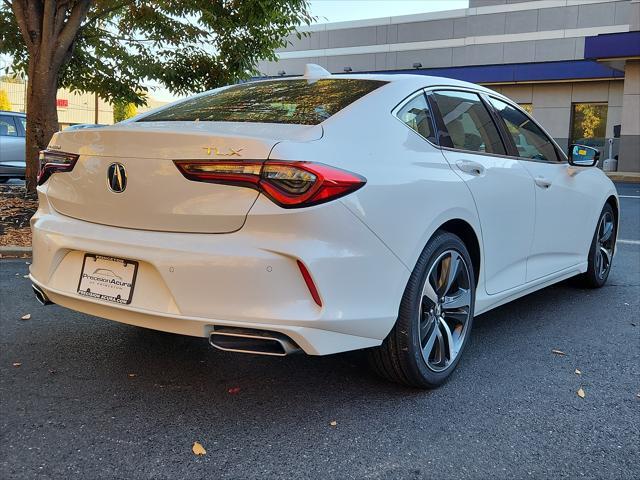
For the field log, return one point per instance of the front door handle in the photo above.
(542, 182)
(470, 167)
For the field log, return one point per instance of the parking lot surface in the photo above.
(83, 397)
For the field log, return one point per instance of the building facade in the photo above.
(73, 107)
(574, 63)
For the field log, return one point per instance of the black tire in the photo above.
(400, 358)
(596, 276)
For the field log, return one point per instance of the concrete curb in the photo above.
(12, 251)
(624, 177)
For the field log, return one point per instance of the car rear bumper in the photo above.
(189, 283)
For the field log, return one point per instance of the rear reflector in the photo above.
(288, 184)
(309, 281)
(52, 161)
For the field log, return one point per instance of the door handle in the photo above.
(542, 182)
(470, 167)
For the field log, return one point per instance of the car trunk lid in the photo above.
(156, 195)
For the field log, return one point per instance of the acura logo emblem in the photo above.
(117, 177)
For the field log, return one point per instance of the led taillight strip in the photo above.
(288, 184)
(53, 161)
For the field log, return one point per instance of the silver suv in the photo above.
(13, 126)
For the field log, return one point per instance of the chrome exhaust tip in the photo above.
(259, 342)
(40, 295)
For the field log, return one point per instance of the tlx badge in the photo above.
(231, 152)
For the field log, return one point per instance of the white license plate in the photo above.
(107, 278)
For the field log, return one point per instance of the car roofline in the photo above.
(420, 81)
(13, 113)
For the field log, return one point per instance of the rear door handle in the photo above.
(542, 182)
(470, 167)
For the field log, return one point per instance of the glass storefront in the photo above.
(527, 107)
(589, 124)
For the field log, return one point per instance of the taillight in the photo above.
(52, 161)
(288, 184)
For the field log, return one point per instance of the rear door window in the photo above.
(306, 102)
(468, 123)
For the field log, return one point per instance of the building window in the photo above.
(589, 124)
(527, 107)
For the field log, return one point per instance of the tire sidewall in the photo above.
(436, 246)
(593, 279)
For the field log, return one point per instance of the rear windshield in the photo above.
(306, 102)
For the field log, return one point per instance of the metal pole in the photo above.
(96, 106)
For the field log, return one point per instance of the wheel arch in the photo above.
(468, 235)
(612, 200)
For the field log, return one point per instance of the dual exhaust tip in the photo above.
(260, 342)
(41, 297)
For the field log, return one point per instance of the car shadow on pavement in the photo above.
(146, 365)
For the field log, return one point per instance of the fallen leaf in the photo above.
(558, 352)
(198, 449)
(16, 364)
(333, 423)
(25, 317)
(578, 372)
(234, 390)
(581, 393)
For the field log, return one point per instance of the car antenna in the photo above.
(311, 70)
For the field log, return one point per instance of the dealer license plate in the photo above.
(108, 278)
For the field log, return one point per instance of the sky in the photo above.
(345, 10)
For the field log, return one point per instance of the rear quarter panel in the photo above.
(411, 189)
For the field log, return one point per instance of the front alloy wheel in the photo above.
(435, 317)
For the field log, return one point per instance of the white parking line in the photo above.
(629, 242)
(628, 196)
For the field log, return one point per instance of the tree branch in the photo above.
(19, 12)
(48, 20)
(104, 13)
(70, 30)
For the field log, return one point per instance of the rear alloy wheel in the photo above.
(436, 315)
(601, 251)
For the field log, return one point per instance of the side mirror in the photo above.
(583, 156)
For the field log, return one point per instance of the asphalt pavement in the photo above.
(83, 397)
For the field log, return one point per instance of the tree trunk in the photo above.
(42, 115)
(49, 28)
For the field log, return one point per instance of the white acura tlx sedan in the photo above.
(320, 214)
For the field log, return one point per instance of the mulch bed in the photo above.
(16, 208)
